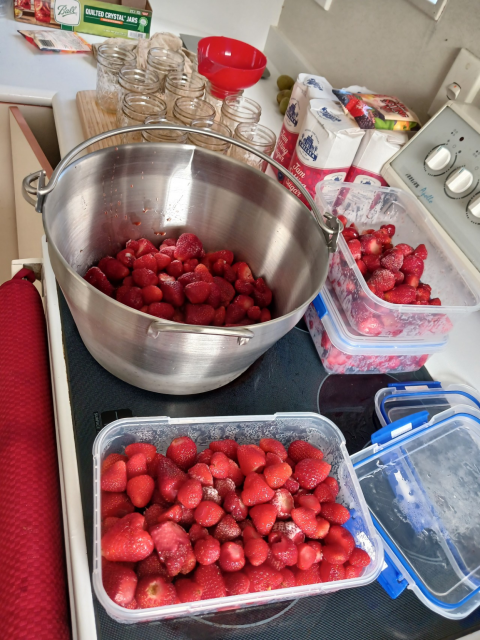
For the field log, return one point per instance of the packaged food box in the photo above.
(326, 146)
(109, 19)
(376, 148)
(376, 111)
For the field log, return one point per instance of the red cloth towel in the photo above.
(33, 583)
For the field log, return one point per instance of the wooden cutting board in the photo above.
(95, 120)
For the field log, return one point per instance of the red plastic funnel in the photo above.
(229, 65)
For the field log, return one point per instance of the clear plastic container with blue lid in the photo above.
(421, 479)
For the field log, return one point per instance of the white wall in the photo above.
(389, 46)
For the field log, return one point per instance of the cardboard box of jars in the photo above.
(124, 18)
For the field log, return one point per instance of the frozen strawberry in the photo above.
(370, 244)
(335, 553)
(108, 524)
(169, 242)
(162, 261)
(170, 478)
(243, 272)
(330, 572)
(362, 267)
(147, 261)
(309, 472)
(197, 532)
(383, 279)
(422, 294)
(413, 265)
(227, 529)
(339, 536)
(152, 514)
(116, 505)
(144, 247)
(335, 513)
(243, 287)
(435, 302)
(383, 237)
(197, 292)
(151, 294)
(144, 277)
(115, 477)
(201, 472)
(271, 458)
(263, 516)
(277, 474)
(372, 262)
(256, 490)
(189, 265)
(227, 292)
(189, 563)
(389, 228)
(309, 502)
(190, 493)
(234, 505)
(290, 529)
(168, 251)
(403, 294)
(188, 247)
(246, 302)
(305, 519)
(399, 277)
(199, 314)
(203, 274)
(308, 576)
(263, 578)
(300, 449)
(219, 466)
(284, 549)
(274, 562)
(254, 313)
(224, 485)
(205, 456)
(261, 293)
(173, 293)
(151, 566)
(306, 556)
(248, 531)
(371, 326)
(359, 558)
(183, 452)
(130, 296)
(283, 503)
(292, 486)
(157, 497)
(332, 484)
(288, 579)
(187, 518)
(211, 580)
(99, 280)
(126, 257)
(215, 297)
(127, 540)
(219, 317)
(349, 234)
(355, 248)
(112, 459)
(137, 465)
(154, 591)
(164, 277)
(208, 513)
(232, 557)
(392, 260)
(235, 473)
(172, 544)
(210, 494)
(256, 551)
(188, 590)
(119, 582)
(411, 280)
(207, 550)
(218, 267)
(406, 249)
(229, 274)
(236, 583)
(234, 314)
(113, 269)
(421, 252)
(352, 572)
(270, 445)
(318, 549)
(265, 315)
(250, 458)
(163, 310)
(140, 490)
(175, 269)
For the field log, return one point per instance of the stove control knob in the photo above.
(459, 181)
(439, 158)
(474, 207)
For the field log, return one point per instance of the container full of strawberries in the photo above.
(197, 515)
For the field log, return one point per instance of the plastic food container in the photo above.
(342, 349)
(286, 427)
(370, 207)
(420, 481)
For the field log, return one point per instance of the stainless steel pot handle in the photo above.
(331, 228)
(242, 334)
(29, 190)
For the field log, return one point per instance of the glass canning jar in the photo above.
(207, 142)
(162, 61)
(256, 135)
(164, 135)
(238, 109)
(216, 99)
(179, 85)
(133, 80)
(188, 109)
(135, 109)
(110, 59)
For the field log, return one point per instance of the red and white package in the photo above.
(376, 148)
(326, 146)
(306, 88)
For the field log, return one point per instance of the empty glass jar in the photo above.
(216, 99)
(135, 109)
(238, 109)
(162, 61)
(179, 85)
(164, 135)
(256, 135)
(133, 80)
(188, 109)
(207, 142)
(110, 59)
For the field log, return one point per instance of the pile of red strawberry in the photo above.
(231, 520)
(180, 282)
(392, 272)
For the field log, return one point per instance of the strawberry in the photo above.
(151, 294)
(349, 234)
(352, 572)
(111, 459)
(248, 531)
(227, 529)
(232, 557)
(227, 292)
(136, 465)
(421, 252)
(256, 551)
(305, 519)
(309, 472)
(299, 449)
(99, 280)
(270, 445)
(116, 505)
(256, 490)
(389, 228)
(144, 277)
(370, 244)
(436, 302)
(197, 532)
(162, 261)
(215, 297)
(208, 513)
(355, 248)
(152, 514)
(168, 251)
(237, 583)
(219, 317)
(277, 474)
(250, 458)
(263, 578)
(339, 536)
(422, 294)
(169, 242)
(189, 265)
(115, 477)
(412, 281)
(148, 450)
(190, 493)
(309, 502)
(205, 456)
(207, 550)
(229, 274)
(140, 490)
(202, 273)
(306, 556)
(211, 581)
(271, 458)
(288, 579)
(175, 269)
(362, 267)
(283, 503)
(372, 262)
(119, 582)
(263, 516)
(189, 563)
(403, 294)
(157, 497)
(188, 590)
(162, 310)
(265, 315)
(235, 473)
(274, 562)
(187, 518)
(146, 262)
(144, 247)
(132, 245)
(290, 529)
(233, 315)
(392, 260)
(188, 278)
(172, 292)
(219, 466)
(170, 478)
(197, 292)
(199, 314)
(210, 494)
(243, 272)
(108, 524)
(154, 591)
(234, 505)
(172, 544)
(413, 265)
(113, 269)
(335, 553)
(308, 576)
(224, 485)
(127, 540)
(126, 257)
(399, 277)
(382, 236)
(152, 566)
(335, 513)
(406, 249)
(201, 472)
(172, 513)
(246, 302)
(188, 246)
(164, 277)
(261, 293)
(359, 558)
(291, 485)
(218, 267)
(317, 547)
(183, 452)
(243, 287)
(370, 326)
(284, 549)
(382, 279)
(329, 572)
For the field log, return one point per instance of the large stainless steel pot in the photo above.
(93, 205)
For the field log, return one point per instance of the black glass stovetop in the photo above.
(289, 377)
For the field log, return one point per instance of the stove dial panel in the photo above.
(459, 181)
(439, 158)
